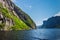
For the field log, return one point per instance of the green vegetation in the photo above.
(26, 19)
(18, 23)
(2, 25)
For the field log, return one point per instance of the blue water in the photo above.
(39, 34)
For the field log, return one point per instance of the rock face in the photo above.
(7, 23)
(53, 22)
(11, 15)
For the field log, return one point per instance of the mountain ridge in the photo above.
(52, 22)
(11, 13)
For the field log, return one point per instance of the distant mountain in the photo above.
(13, 18)
(53, 22)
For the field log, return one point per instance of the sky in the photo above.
(39, 10)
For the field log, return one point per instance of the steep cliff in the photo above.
(13, 18)
(53, 22)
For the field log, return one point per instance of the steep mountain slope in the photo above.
(53, 22)
(13, 18)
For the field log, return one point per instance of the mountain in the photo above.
(53, 22)
(13, 18)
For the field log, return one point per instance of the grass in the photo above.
(18, 23)
(28, 20)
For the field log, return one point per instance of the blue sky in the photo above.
(39, 10)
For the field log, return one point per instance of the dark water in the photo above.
(38, 34)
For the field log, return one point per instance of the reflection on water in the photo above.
(38, 34)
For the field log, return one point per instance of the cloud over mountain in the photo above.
(58, 14)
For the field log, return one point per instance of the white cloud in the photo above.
(58, 14)
(41, 21)
(38, 23)
(45, 19)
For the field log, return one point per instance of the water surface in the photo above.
(38, 34)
